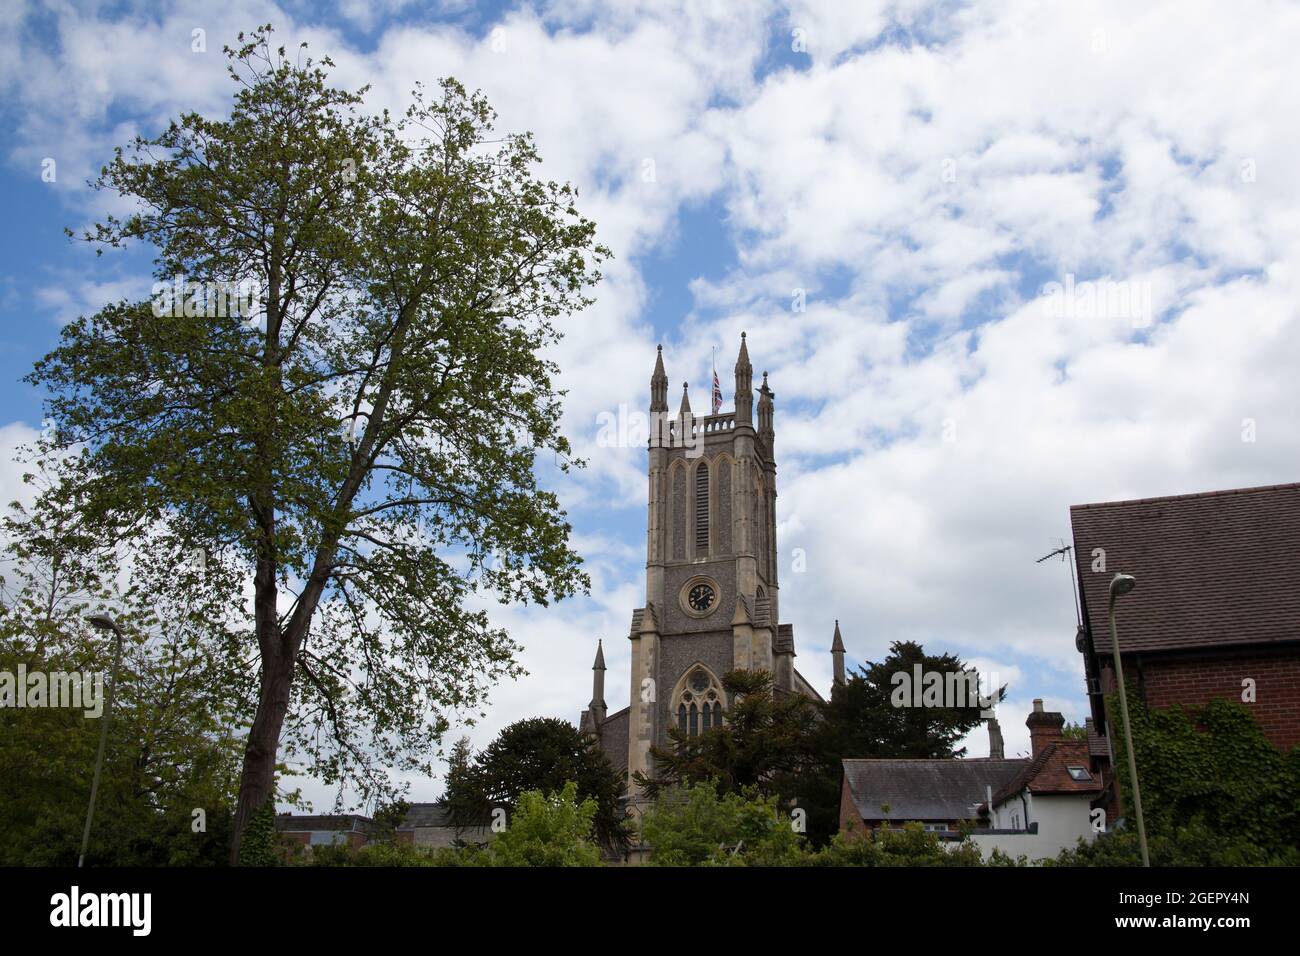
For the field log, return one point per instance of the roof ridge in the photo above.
(934, 759)
(1257, 489)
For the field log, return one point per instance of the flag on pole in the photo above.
(717, 387)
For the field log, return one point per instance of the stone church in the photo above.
(712, 596)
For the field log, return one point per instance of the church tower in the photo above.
(711, 601)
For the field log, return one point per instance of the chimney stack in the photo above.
(1044, 727)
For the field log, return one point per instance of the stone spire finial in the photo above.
(659, 384)
(597, 707)
(837, 655)
(765, 397)
(685, 410)
(744, 386)
(996, 748)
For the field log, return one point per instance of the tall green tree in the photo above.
(864, 719)
(171, 761)
(538, 754)
(358, 448)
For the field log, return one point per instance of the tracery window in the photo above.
(699, 702)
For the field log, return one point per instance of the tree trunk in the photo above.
(257, 784)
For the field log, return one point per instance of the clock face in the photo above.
(701, 597)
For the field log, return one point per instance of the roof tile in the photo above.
(1215, 568)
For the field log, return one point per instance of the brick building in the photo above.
(1216, 612)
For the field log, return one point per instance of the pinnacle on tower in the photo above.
(765, 397)
(837, 655)
(685, 410)
(597, 709)
(997, 749)
(659, 384)
(744, 386)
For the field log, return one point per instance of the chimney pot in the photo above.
(1044, 727)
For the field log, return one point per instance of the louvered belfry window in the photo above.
(702, 509)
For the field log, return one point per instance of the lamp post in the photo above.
(1122, 584)
(102, 622)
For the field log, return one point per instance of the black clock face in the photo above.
(701, 598)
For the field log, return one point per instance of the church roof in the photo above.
(1213, 569)
(802, 686)
(932, 789)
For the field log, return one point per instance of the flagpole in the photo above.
(715, 394)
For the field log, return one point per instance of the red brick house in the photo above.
(1216, 610)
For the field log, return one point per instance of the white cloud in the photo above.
(921, 176)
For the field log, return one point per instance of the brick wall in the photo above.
(1195, 679)
(850, 821)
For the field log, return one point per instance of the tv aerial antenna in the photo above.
(1063, 552)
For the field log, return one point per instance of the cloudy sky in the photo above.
(998, 259)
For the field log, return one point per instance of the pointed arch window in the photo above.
(699, 702)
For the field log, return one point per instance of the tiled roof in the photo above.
(1097, 745)
(1214, 569)
(940, 789)
(1049, 772)
(422, 816)
(426, 815)
(300, 823)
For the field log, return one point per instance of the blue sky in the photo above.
(918, 174)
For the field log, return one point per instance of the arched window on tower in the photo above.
(702, 509)
(699, 702)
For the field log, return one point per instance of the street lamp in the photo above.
(1122, 584)
(102, 622)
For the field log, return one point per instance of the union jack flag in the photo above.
(717, 393)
